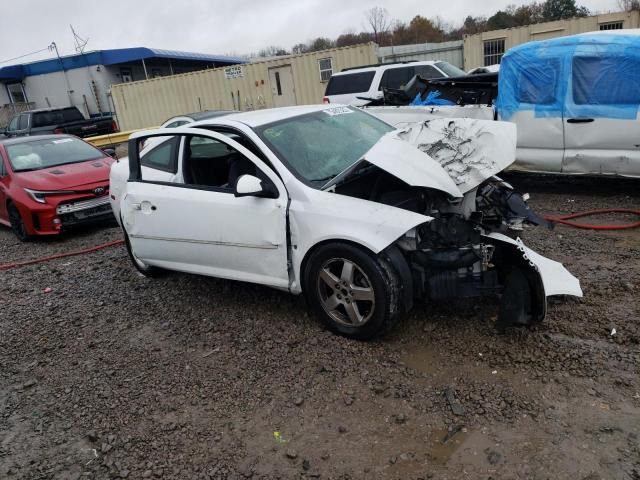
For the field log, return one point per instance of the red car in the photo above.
(51, 182)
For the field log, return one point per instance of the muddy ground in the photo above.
(112, 375)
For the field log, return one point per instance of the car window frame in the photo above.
(135, 167)
(174, 156)
(195, 186)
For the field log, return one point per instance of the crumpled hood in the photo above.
(452, 155)
(406, 162)
(66, 177)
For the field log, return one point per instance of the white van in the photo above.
(367, 82)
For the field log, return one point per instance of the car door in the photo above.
(198, 225)
(533, 100)
(602, 125)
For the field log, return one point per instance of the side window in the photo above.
(427, 71)
(177, 123)
(23, 122)
(537, 82)
(210, 163)
(14, 124)
(350, 83)
(162, 157)
(606, 80)
(396, 77)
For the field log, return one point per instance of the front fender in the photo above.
(556, 279)
(330, 216)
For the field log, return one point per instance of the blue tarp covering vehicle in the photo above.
(595, 75)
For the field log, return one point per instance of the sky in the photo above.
(231, 27)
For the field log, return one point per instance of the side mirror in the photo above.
(109, 151)
(250, 186)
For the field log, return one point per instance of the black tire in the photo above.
(17, 224)
(371, 277)
(515, 306)
(143, 268)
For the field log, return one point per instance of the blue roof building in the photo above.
(84, 80)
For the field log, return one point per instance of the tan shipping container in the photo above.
(282, 81)
(474, 45)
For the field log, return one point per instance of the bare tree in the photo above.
(379, 22)
(628, 5)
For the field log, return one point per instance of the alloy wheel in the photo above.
(346, 293)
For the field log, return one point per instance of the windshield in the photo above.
(50, 152)
(317, 146)
(450, 70)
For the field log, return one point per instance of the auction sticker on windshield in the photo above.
(337, 111)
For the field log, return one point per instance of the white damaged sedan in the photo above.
(334, 203)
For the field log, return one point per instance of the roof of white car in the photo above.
(257, 118)
(385, 66)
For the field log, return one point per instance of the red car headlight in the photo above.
(39, 195)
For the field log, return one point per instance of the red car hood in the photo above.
(67, 177)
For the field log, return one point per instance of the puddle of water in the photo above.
(445, 444)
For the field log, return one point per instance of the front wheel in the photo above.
(356, 293)
(17, 224)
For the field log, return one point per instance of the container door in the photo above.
(282, 86)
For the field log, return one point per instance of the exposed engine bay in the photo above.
(451, 255)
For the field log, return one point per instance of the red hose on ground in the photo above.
(563, 219)
(566, 219)
(8, 266)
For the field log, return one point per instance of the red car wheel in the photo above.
(17, 225)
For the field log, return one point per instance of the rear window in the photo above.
(350, 83)
(56, 117)
(613, 80)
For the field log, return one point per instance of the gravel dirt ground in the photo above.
(112, 375)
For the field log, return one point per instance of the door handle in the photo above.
(580, 120)
(144, 207)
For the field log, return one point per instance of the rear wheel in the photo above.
(353, 291)
(143, 268)
(17, 224)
